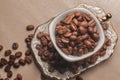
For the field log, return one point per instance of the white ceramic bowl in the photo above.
(60, 17)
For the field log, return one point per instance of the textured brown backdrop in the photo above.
(16, 14)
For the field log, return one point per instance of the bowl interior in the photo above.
(60, 17)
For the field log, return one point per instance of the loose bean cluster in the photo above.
(14, 59)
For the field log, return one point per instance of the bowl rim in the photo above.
(72, 58)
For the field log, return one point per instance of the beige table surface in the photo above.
(16, 14)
